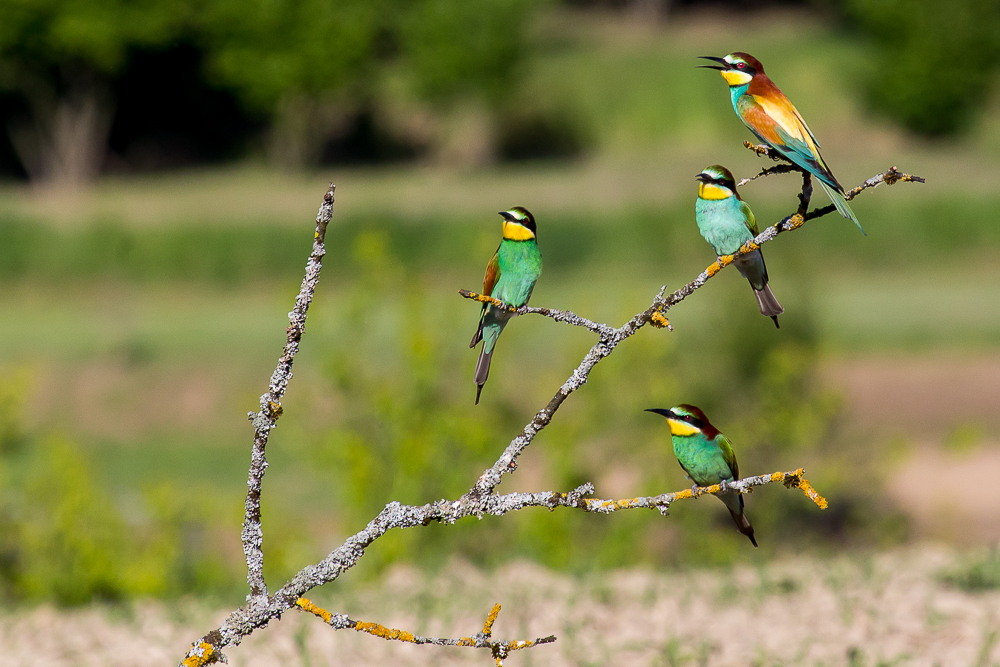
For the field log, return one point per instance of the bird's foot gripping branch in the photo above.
(481, 499)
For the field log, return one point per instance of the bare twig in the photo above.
(270, 403)
(500, 649)
(480, 499)
(566, 316)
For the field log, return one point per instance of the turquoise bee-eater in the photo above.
(774, 120)
(510, 277)
(726, 222)
(707, 457)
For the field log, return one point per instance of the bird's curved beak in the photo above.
(660, 411)
(716, 59)
(507, 216)
(703, 177)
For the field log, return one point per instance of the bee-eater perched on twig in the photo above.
(706, 456)
(510, 277)
(726, 222)
(775, 121)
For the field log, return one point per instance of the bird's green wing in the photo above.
(748, 218)
(728, 454)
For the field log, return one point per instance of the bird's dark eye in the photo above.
(741, 65)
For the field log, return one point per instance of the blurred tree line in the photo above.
(92, 85)
(302, 69)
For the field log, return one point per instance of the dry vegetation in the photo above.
(890, 609)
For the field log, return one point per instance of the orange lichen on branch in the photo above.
(659, 321)
(306, 605)
(812, 494)
(498, 648)
(482, 298)
(490, 620)
(389, 633)
(202, 653)
(795, 222)
(719, 264)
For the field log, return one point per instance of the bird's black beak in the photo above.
(721, 61)
(660, 411)
(704, 178)
(507, 216)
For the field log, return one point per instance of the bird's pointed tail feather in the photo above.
(482, 370)
(478, 336)
(842, 206)
(768, 304)
(743, 525)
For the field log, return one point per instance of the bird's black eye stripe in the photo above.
(694, 421)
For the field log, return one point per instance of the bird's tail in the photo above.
(842, 206)
(768, 304)
(482, 370)
(734, 503)
(478, 336)
(743, 525)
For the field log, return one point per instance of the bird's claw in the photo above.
(694, 491)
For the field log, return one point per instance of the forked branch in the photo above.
(499, 648)
(480, 500)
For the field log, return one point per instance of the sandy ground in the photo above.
(880, 610)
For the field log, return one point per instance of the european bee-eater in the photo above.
(510, 277)
(726, 222)
(774, 120)
(706, 456)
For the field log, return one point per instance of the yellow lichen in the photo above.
(659, 321)
(812, 494)
(490, 619)
(207, 656)
(306, 605)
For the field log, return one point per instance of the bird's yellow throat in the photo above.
(712, 191)
(677, 427)
(515, 232)
(735, 77)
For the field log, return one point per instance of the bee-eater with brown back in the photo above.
(510, 277)
(774, 120)
(707, 457)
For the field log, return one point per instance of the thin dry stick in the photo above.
(270, 403)
(500, 649)
(480, 500)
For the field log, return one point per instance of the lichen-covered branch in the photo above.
(270, 403)
(480, 500)
(566, 316)
(500, 649)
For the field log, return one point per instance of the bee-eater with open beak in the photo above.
(510, 277)
(707, 457)
(775, 121)
(726, 222)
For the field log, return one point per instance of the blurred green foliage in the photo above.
(64, 539)
(936, 61)
(977, 573)
(307, 66)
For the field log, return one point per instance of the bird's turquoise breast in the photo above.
(702, 459)
(735, 93)
(722, 223)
